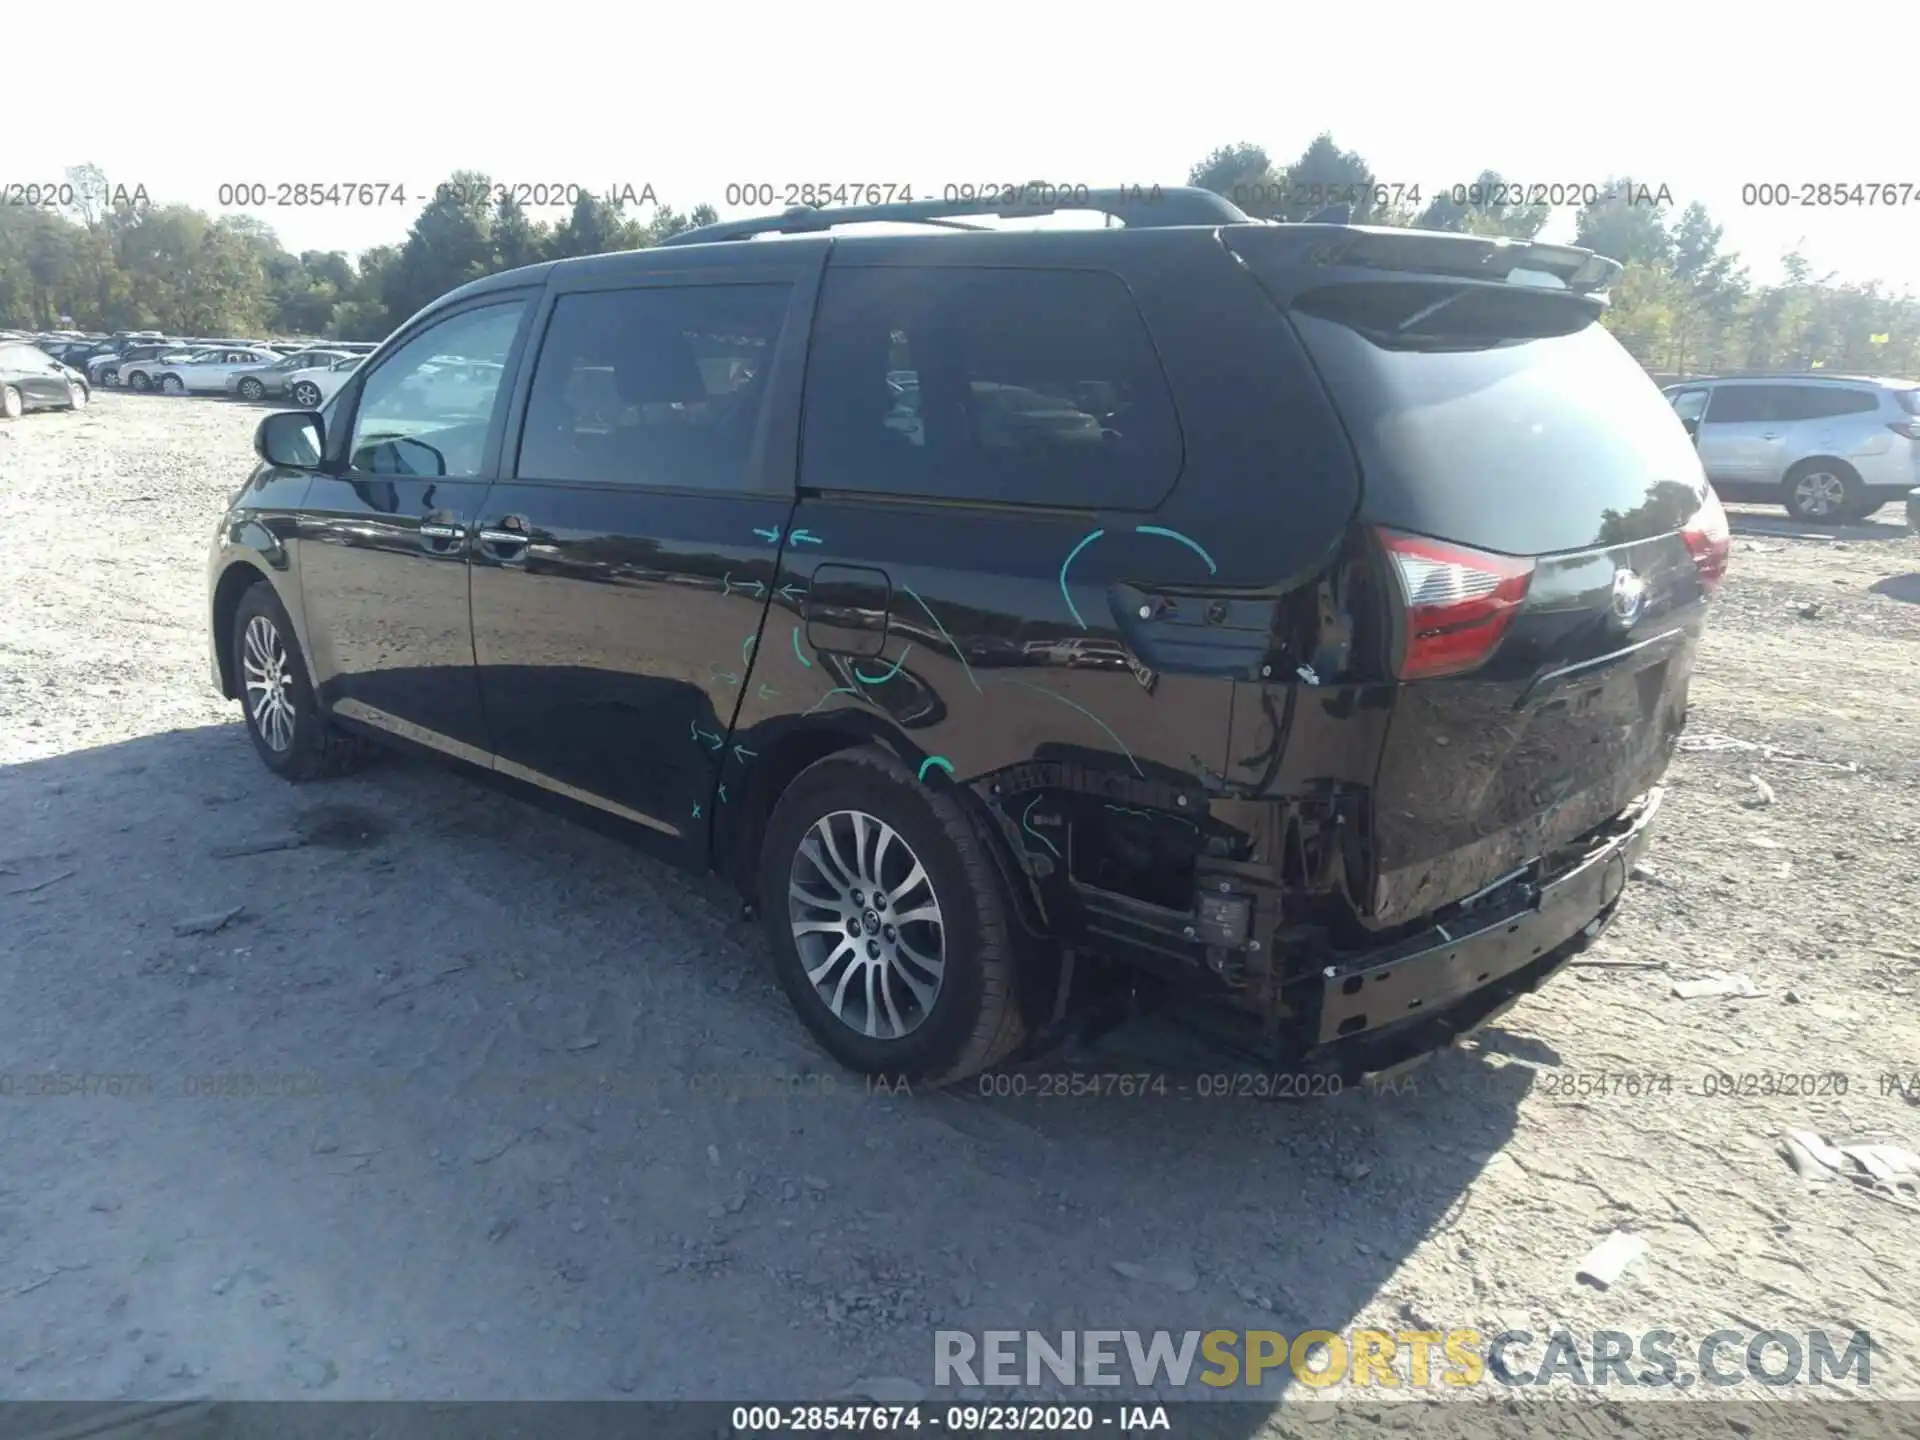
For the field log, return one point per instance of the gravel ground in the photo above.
(542, 1126)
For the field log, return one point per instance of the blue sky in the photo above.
(688, 99)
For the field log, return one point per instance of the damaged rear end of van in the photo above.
(1440, 779)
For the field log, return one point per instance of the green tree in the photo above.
(518, 239)
(594, 228)
(1625, 224)
(450, 243)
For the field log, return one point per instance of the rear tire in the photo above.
(1869, 506)
(882, 874)
(172, 385)
(291, 736)
(11, 405)
(1821, 492)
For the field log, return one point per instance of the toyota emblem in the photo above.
(1629, 597)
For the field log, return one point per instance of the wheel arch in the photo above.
(740, 822)
(238, 578)
(1835, 463)
(244, 570)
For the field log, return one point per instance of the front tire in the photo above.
(140, 382)
(892, 932)
(172, 385)
(77, 396)
(11, 405)
(1821, 492)
(307, 395)
(251, 389)
(291, 736)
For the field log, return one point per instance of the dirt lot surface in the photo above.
(529, 1118)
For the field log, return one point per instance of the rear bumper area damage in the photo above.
(1488, 944)
(1285, 990)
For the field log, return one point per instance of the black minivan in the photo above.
(1293, 616)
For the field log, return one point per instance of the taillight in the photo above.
(1458, 602)
(1709, 541)
(1909, 428)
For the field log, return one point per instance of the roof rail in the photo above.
(1131, 205)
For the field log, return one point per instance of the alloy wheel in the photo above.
(269, 683)
(867, 924)
(1820, 493)
(306, 396)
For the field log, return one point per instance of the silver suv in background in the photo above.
(1829, 448)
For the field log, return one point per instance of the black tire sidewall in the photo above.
(172, 385)
(251, 389)
(841, 782)
(301, 391)
(299, 758)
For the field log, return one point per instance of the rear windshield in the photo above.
(1507, 420)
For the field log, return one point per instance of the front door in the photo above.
(385, 534)
(620, 577)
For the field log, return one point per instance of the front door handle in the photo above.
(1770, 435)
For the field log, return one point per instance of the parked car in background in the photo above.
(139, 374)
(257, 382)
(31, 379)
(208, 370)
(107, 369)
(310, 389)
(1830, 448)
(69, 352)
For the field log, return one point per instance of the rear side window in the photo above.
(1018, 386)
(1820, 403)
(661, 386)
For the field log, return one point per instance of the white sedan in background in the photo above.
(208, 370)
(310, 389)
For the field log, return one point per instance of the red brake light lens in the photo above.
(1457, 602)
(1909, 428)
(1709, 541)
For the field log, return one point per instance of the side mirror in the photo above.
(291, 439)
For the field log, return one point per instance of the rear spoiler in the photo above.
(1314, 254)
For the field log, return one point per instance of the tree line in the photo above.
(109, 265)
(1685, 303)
